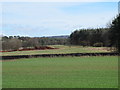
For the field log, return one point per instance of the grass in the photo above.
(62, 49)
(61, 72)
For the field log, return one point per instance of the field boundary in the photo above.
(58, 55)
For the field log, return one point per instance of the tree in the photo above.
(115, 33)
(15, 44)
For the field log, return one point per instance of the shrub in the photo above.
(97, 44)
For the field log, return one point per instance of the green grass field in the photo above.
(62, 49)
(61, 72)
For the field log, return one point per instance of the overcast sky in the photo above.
(54, 18)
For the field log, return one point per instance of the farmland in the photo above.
(60, 45)
(61, 72)
(62, 49)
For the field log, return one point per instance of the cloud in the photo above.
(41, 19)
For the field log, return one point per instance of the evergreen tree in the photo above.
(115, 33)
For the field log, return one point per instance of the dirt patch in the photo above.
(100, 49)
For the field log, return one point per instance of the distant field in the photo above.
(62, 72)
(62, 49)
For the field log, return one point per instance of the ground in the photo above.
(61, 72)
(62, 49)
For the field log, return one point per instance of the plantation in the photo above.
(61, 72)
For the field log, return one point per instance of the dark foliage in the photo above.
(90, 37)
(115, 33)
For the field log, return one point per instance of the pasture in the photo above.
(61, 72)
(62, 49)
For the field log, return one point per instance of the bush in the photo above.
(84, 43)
(98, 45)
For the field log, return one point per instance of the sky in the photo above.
(37, 19)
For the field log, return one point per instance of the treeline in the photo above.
(17, 42)
(107, 37)
(91, 37)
